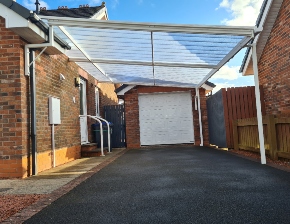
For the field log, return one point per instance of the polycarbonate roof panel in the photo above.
(132, 53)
(179, 76)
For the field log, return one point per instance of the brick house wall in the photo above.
(13, 100)
(132, 114)
(15, 148)
(274, 65)
(107, 96)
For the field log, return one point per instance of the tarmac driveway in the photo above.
(176, 185)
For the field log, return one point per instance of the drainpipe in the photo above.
(33, 111)
(29, 58)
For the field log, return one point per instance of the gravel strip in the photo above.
(11, 204)
(279, 164)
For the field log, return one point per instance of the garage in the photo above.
(166, 118)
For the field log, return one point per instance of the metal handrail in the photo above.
(108, 126)
(101, 131)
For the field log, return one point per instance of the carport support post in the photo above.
(199, 117)
(258, 104)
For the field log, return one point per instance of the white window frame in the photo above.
(97, 101)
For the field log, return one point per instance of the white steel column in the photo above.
(258, 104)
(199, 116)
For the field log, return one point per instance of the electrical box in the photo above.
(54, 110)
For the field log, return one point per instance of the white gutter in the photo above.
(150, 27)
(29, 46)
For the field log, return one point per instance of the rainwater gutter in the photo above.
(29, 58)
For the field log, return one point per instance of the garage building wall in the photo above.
(132, 113)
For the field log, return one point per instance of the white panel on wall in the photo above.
(54, 110)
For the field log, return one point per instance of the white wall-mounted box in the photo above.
(54, 110)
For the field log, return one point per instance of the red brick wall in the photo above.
(15, 148)
(132, 113)
(107, 96)
(13, 99)
(274, 65)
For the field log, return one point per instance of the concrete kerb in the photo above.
(48, 198)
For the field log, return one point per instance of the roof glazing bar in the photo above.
(143, 63)
(150, 27)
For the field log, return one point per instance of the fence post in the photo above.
(271, 126)
(235, 135)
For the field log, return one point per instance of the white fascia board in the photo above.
(150, 27)
(247, 63)
(17, 23)
(123, 91)
(100, 14)
(207, 87)
(12, 19)
(256, 39)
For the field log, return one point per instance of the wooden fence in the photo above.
(238, 103)
(276, 135)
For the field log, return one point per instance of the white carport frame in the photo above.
(207, 69)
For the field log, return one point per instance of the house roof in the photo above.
(28, 15)
(266, 19)
(82, 12)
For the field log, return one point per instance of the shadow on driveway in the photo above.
(176, 185)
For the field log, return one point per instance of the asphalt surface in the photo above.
(176, 185)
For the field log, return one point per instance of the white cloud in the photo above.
(243, 12)
(30, 4)
(228, 73)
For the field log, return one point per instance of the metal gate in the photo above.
(116, 115)
(216, 120)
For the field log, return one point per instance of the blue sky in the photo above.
(205, 12)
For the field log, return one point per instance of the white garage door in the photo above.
(166, 118)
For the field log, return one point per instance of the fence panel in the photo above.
(276, 135)
(216, 121)
(116, 115)
(238, 103)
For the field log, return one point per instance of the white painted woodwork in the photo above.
(83, 119)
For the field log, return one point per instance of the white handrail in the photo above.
(101, 131)
(109, 134)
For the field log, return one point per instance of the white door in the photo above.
(166, 118)
(83, 111)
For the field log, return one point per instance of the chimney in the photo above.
(103, 3)
(37, 6)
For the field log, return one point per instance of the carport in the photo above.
(154, 54)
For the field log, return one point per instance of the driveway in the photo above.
(176, 185)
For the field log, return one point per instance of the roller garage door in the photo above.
(166, 118)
